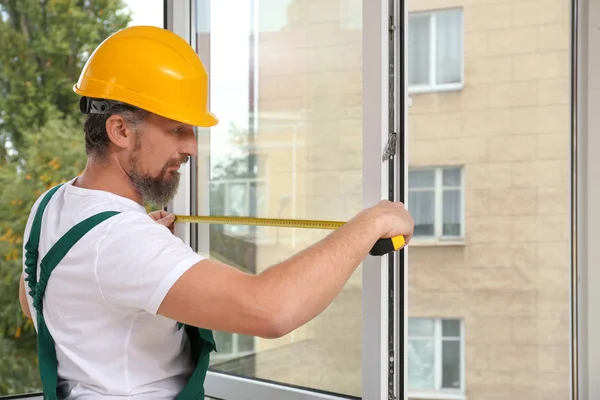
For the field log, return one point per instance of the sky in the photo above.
(146, 12)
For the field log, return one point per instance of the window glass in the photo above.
(418, 49)
(489, 189)
(448, 46)
(421, 371)
(435, 196)
(41, 136)
(434, 353)
(285, 83)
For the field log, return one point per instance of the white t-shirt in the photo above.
(101, 300)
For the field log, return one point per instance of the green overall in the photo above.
(201, 340)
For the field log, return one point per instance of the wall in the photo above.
(509, 128)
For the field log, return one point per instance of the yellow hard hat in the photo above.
(150, 68)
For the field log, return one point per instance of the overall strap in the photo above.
(48, 363)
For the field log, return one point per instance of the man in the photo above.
(110, 288)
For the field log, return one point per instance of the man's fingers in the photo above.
(166, 220)
(169, 219)
(158, 214)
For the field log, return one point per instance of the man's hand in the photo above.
(164, 218)
(392, 219)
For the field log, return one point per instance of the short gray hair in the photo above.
(96, 137)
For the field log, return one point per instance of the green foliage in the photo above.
(45, 43)
(43, 48)
(53, 154)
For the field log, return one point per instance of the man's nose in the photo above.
(190, 143)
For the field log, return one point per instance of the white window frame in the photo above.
(438, 392)
(180, 17)
(438, 236)
(585, 279)
(432, 86)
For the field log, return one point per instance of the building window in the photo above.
(435, 200)
(435, 50)
(231, 346)
(435, 355)
(241, 197)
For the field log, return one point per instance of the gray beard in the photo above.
(159, 190)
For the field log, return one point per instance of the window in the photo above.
(435, 355)
(231, 345)
(435, 50)
(286, 97)
(435, 199)
(238, 197)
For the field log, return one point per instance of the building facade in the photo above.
(488, 155)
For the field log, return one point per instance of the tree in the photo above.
(43, 48)
(44, 45)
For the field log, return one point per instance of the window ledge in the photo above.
(436, 396)
(422, 89)
(436, 243)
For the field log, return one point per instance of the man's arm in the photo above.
(216, 296)
(23, 297)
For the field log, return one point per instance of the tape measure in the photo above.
(381, 247)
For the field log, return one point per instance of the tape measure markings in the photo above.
(381, 247)
(275, 222)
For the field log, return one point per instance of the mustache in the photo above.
(181, 160)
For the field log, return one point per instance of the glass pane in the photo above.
(450, 328)
(421, 179)
(508, 279)
(421, 366)
(245, 343)
(224, 341)
(449, 46)
(451, 364)
(237, 201)
(285, 83)
(421, 205)
(41, 138)
(420, 327)
(217, 197)
(451, 177)
(418, 49)
(452, 213)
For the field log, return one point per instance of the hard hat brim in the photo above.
(190, 116)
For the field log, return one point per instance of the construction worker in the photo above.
(122, 307)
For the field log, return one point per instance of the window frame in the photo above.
(438, 189)
(439, 392)
(432, 86)
(585, 277)
(193, 197)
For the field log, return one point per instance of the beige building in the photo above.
(488, 150)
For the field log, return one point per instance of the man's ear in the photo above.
(118, 131)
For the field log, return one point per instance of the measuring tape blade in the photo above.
(276, 222)
(381, 247)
